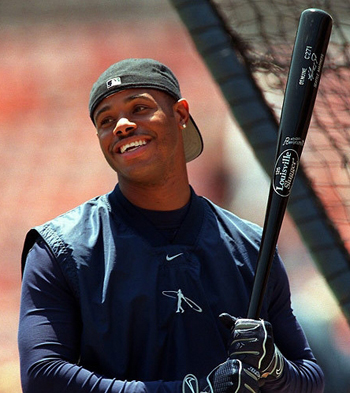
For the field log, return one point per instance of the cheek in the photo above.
(173, 138)
(106, 153)
(169, 130)
(105, 148)
(104, 143)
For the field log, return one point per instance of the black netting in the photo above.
(264, 32)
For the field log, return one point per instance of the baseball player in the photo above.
(145, 289)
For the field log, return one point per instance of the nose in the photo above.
(124, 126)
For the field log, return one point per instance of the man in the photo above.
(124, 293)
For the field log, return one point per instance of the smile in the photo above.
(132, 146)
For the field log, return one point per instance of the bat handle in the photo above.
(273, 223)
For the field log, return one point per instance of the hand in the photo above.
(233, 376)
(252, 342)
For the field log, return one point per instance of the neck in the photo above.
(152, 197)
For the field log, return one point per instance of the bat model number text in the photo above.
(308, 52)
(310, 71)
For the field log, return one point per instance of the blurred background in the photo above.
(51, 53)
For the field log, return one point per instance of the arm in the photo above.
(49, 336)
(301, 371)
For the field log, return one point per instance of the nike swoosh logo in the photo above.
(173, 257)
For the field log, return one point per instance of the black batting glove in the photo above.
(233, 376)
(252, 342)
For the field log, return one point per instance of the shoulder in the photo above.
(243, 237)
(77, 223)
(89, 208)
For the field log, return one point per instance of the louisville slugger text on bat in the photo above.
(307, 60)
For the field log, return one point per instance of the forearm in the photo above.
(58, 376)
(304, 376)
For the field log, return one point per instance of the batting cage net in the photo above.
(265, 32)
(247, 46)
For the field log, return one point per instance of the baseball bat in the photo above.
(306, 64)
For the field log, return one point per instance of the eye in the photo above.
(140, 108)
(106, 121)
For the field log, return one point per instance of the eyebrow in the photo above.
(128, 99)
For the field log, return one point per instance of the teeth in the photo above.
(131, 145)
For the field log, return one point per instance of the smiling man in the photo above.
(123, 293)
(137, 131)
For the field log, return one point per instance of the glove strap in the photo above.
(275, 368)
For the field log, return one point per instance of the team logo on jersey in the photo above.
(182, 299)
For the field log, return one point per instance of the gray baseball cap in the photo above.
(145, 73)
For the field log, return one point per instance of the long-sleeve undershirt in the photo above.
(49, 342)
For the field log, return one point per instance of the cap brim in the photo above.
(193, 142)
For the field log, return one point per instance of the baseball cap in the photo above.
(145, 73)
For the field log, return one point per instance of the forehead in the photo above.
(129, 95)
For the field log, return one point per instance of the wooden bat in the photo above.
(307, 60)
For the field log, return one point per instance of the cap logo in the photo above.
(113, 82)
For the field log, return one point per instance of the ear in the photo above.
(182, 111)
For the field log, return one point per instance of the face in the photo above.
(140, 134)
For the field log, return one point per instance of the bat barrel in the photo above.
(307, 60)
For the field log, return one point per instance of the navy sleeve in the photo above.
(301, 372)
(48, 336)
